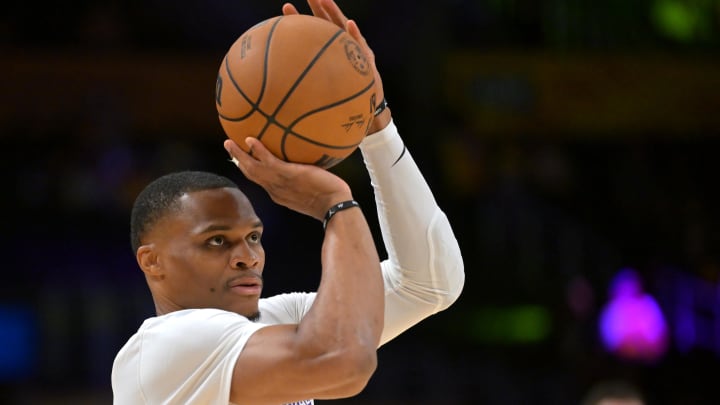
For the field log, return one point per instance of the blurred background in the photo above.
(572, 143)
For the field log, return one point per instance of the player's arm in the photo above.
(424, 272)
(331, 353)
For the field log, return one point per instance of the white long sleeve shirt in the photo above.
(187, 357)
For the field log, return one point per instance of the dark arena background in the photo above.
(573, 145)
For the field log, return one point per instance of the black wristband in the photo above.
(381, 107)
(337, 208)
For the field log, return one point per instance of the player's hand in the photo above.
(328, 10)
(307, 189)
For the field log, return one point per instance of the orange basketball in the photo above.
(301, 85)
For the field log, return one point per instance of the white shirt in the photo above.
(187, 357)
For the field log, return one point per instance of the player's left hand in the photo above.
(328, 10)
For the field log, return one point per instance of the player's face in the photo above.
(210, 253)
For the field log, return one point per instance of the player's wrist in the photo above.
(341, 206)
(381, 118)
(330, 200)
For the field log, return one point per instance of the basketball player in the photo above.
(198, 241)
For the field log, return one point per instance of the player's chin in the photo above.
(252, 315)
(249, 309)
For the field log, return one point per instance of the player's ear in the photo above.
(147, 258)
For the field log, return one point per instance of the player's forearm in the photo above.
(415, 230)
(401, 194)
(348, 310)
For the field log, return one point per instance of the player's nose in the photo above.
(244, 257)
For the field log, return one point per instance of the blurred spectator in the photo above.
(613, 392)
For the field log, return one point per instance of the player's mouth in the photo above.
(246, 285)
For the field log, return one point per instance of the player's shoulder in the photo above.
(179, 348)
(194, 315)
(287, 298)
(286, 307)
(206, 328)
(205, 322)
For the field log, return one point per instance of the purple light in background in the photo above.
(632, 325)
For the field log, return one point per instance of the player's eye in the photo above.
(217, 241)
(254, 237)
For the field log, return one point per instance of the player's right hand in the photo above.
(307, 189)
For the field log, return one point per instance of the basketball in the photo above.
(301, 85)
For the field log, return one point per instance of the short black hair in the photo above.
(162, 195)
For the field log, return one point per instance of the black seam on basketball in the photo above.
(288, 130)
(311, 141)
(306, 70)
(324, 145)
(255, 105)
(298, 136)
(295, 85)
(265, 62)
(239, 90)
(332, 105)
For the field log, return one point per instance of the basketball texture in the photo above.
(301, 85)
